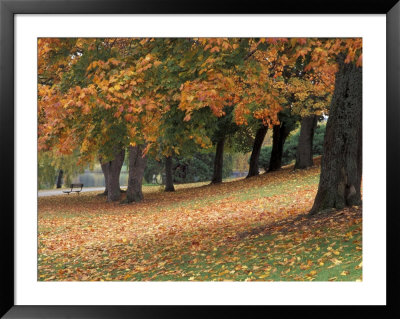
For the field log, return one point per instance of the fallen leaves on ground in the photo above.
(241, 230)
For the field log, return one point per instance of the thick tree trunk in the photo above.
(169, 179)
(304, 156)
(279, 135)
(341, 165)
(104, 168)
(255, 154)
(218, 162)
(137, 165)
(113, 169)
(59, 178)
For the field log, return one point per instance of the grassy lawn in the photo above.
(241, 230)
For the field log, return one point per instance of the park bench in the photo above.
(74, 188)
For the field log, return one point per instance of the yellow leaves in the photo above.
(196, 234)
(92, 65)
(336, 261)
(222, 273)
(202, 71)
(293, 42)
(344, 273)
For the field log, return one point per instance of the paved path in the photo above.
(56, 192)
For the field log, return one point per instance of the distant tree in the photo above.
(290, 148)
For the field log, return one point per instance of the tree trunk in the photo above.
(218, 162)
(113, 170)
(59, 178)
(137, 165)
(169, 180)
(341, 165)
(104, 168)
(279, 135)
(255, 154)
(304, 155)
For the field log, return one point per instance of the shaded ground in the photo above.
(253, 229)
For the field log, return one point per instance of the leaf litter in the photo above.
(253, 229)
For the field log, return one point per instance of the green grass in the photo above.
(242, 230)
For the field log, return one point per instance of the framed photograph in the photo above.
(159, 155)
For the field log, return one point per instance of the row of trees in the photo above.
(169, 97)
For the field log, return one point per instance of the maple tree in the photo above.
(311, 93)
(112, 103)
(238, 75)
(166, 96)
(341, 167)
(103, 99)
(305, 92)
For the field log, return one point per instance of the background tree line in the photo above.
(169, 98)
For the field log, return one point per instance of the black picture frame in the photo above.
(9, 8)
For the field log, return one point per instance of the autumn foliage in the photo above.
(241, 230)
(165, 97)
(90, 87)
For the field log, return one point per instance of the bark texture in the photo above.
(169, 179)
(304, 155)
(279, 135)
(104, 168)
(59, 178)
(255, 154)
(218, 162)
(113, 170)
(137, 165)
(341, 165)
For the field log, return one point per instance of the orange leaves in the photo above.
(359, 61)
(216, 92)
(269, 117)
(251, 229)
(157, 63)
(133, 82)
(217, 45)
(114, 61)
(151, 107)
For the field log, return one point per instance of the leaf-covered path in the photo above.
(253, 229)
